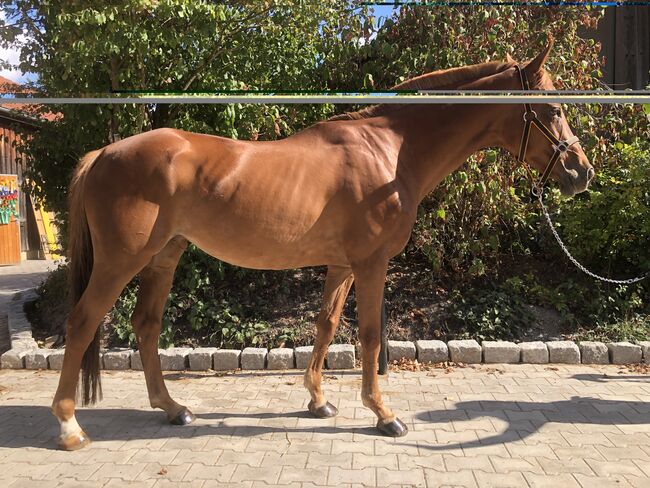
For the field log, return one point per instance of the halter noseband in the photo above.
(559, 146)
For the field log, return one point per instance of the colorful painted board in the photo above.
(9, 225)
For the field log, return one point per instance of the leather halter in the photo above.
(560, 146)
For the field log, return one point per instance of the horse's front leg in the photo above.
(370, 278)
(337, 286)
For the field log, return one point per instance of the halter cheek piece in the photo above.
(560, 147)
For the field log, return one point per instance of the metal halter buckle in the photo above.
(533, 116)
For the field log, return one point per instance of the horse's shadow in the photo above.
(524, 419)
(33, 426)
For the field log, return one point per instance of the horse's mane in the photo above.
(446, 79)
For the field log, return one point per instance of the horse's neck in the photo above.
(437, 140)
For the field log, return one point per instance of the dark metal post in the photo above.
(383, 352)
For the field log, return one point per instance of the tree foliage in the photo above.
(81, 48)
(476, 218)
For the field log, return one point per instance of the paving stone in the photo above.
(253, 358)
(119, 359)
(534, 352)
(226, 359)
(401, 350)
(468, 427)
(13, 359)
(280, 358)
(624, 353)
(201, 358)
(174, 359)
(566, 352)
(501, 352)
(464, 351)
(432, 351)
(37, 358)
(303, 354)
(55, 359)
(136, 361)
(594, 352)
(340, 356)
(645, 348)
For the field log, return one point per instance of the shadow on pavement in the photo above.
(34, 426)
(606, 378)
(526, 418)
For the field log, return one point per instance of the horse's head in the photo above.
(550, 138)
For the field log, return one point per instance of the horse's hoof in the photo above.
(185, 417)
(74, 442)
(324, 411)
(395, 428)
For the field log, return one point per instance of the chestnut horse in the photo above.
(342, 193)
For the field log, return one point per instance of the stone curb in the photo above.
(24, 353)
(342, 356)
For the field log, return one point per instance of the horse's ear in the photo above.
(535, 66)
(509, 58)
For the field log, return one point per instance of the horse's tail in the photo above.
(80, 259)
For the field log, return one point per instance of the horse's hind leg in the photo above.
(337, 286)
(155, 282)
(104, 287)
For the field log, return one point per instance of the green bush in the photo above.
(488, 313)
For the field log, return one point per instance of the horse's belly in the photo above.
(250, 244)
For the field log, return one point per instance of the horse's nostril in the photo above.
(591, 173)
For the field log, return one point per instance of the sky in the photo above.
(12, 56)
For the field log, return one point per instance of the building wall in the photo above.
(13, 162)
(624, 33)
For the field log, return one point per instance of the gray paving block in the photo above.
(534, 352)
(593, 352)
(136, 361)
(465, 351)
(432, 351)
(55, 359)
(13, 359)
(645, 349)
(37, 358)
(401, 349)
(624, 353)
(226, 359)
(119, 359)
(303, 354)
(340, 356)
(253, 358)
(201, 358)
(280, 358)
(566, 352)
(174, 359)
(501, 352)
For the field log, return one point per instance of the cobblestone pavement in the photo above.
(483, 426)
(15, 278)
